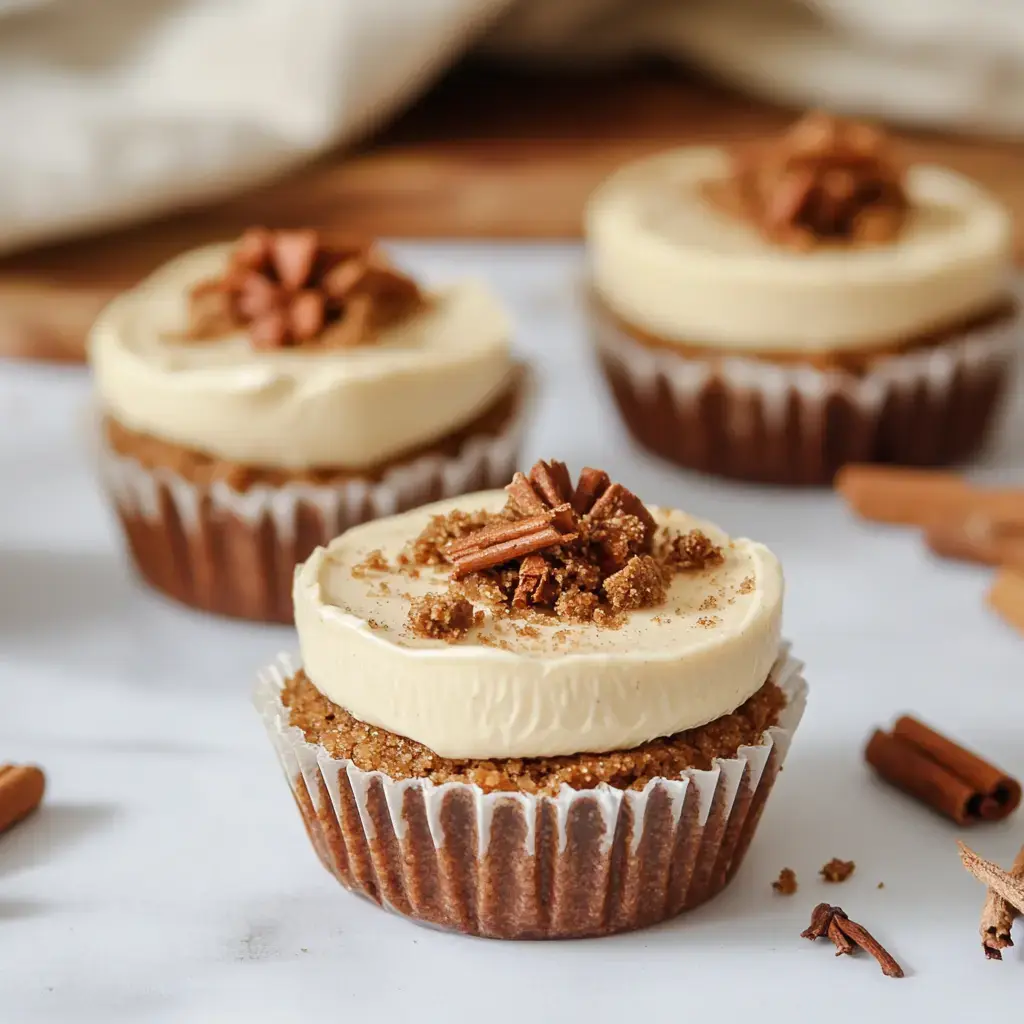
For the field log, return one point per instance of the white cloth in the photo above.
(113, 109)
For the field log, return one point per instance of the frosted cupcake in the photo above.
(262, 397)
(544, 713)
(774, 312)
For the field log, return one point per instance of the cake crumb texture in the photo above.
(373, 749)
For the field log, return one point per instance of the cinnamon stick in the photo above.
(998, 913)
(1006, 596)
(941, 774)
(21, 792)
(979, 538)
(1009, 885)
(921, 497)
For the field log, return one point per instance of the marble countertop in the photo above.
(168, 878)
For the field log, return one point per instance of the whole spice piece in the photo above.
(1006, 597)
(1003, 901)
(294, 288)
(922, 497)
(501, 542)
(979, 538)
(837, 870)
(942, 774)
(826, 179)
(21, 792)
(847, 935)
(786, 883)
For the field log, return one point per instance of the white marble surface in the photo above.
(168, 877)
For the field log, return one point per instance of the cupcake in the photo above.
(775, 312)
(542, 712)
(257, 399)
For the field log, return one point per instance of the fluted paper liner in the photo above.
(234, 552)
(796, 424)
(515, 865)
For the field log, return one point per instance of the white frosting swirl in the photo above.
(667, 261)
(505, 691)
(296, 408)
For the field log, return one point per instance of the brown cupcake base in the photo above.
(798, 424)
(209, 544)
(523, 866)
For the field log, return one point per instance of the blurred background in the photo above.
(136, 128)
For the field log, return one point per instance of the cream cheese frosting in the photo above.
(668, 261)
(510, 691)
(296, 408)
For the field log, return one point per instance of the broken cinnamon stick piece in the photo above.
(921, 497)
(979, 538)
(941, 774)
(1006, 596)
(1003, 883)
(997, 914)
(21, 792)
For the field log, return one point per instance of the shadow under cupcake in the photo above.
(545, 713)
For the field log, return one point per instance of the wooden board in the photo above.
(488, 153)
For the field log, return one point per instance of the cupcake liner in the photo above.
(234, 552)
(515, 865)
(771, 422)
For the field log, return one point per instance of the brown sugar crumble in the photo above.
(747, 586)
(786, 883)
(583, 553)
(708, 604)
(837, 870)
(692, 551)
(373, 562)
(374, 749)
(445, 617)
(708, 621)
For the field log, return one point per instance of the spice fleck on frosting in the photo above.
(291, 289)
(825, 180)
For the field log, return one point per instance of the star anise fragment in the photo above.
(825, 180)
(847, 935)
(292, 288)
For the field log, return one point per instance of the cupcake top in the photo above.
(551, 619)
(286, 351)
(820, 240)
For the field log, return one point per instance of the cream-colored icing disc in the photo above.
(516, 689)
(292, 408)
(668, 261)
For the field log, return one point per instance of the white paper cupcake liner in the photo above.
(786, 423)
(234, 552)
(515, 865)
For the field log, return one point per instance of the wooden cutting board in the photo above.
(489, 153)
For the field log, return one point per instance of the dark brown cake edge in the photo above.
(768, 429)
(234, 554)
